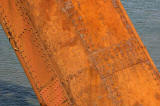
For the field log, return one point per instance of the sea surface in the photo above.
(15, 89)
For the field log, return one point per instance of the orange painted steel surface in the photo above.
(81, 52)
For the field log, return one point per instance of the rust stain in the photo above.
(157, 96)
(137, 104)
(81, 52)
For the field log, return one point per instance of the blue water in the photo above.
(15, 89)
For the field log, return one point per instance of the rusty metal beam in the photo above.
(81, 52)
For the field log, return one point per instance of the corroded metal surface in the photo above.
(81, 52)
